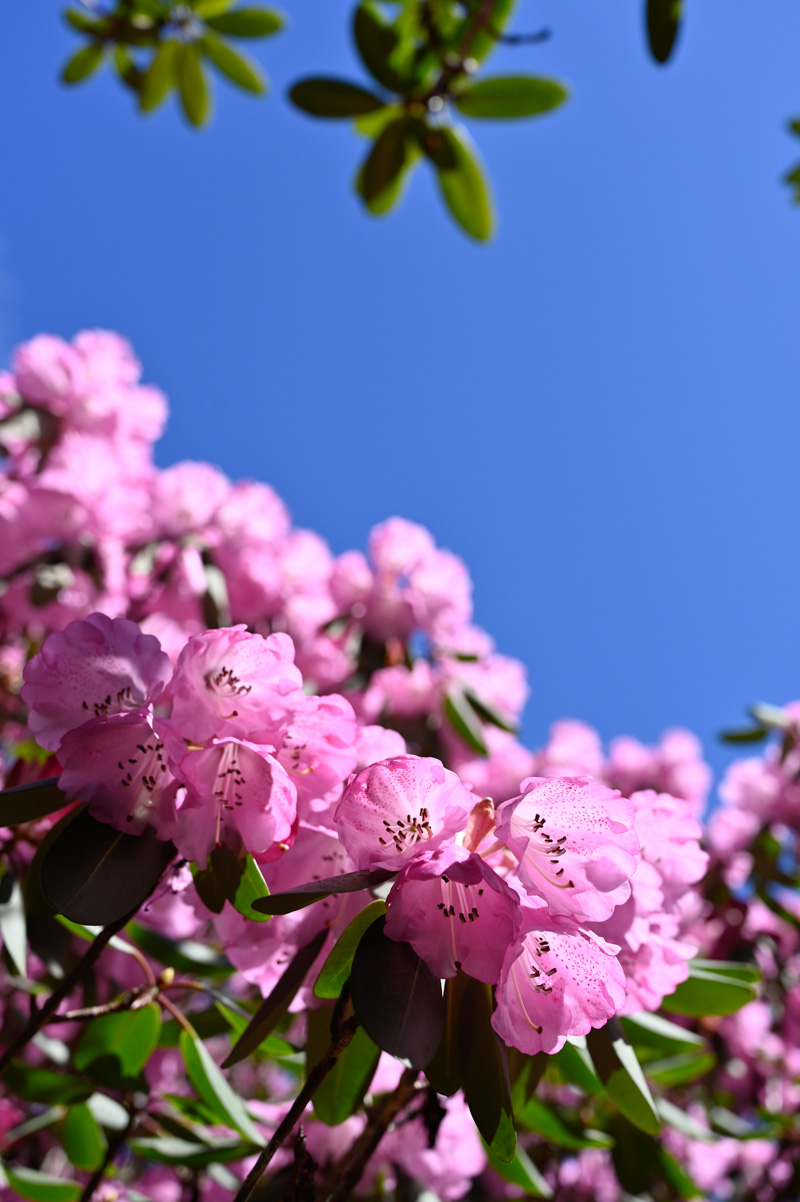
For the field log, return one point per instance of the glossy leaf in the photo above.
(457, 709)
(214, 1089)
(83, 1140)
(95, 874)
(273, 1008)
(26, 803)
(172, 1150)
(680, 1069)
(44, 1085)
(396, 997)
(709, 993)
(749, 973)
(654, 1031)
(444, 1071)
(376, 43)
(160, 77)
(272, 1046)
(621, 1074)
(83, 63)
(336, 968)
(576, 1066)
(484, 1070)
(313, 891)
(675, 1116)
(41, 1187)
(184, 955)
(108, 1112)
(465, 190)
(521, 1171)
(237, 67)
(116, 1047)
(490, 713)
(510, 96)
(663, 23)
(247, 22)
(13, 934)
(323, 97)
(343, 1089)
(543, 1118)
(193, 86)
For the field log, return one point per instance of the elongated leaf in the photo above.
(728, 968)
(108, 1112)
(749, 734)
(680, 1069)
(521, 1171)
(397, 997)
(26, 803)
(336, 968)
(213, 1088)
(83, 63)
(247, 22)
(160, 77)
(193, 86)
(457, 709)
(83, 22)
(643, 1167)
(343, 1089)
(12, 921)
(210, 8)
(544, 1119)
(45, 1086)
(184, 955)
(273, 1046)
(323, 97)
(484, 1070)
(575, 1063)
(465, 190)
(384, 163)
(444, 1071)
(83, 1140)
(524, 1073)
(663, 23)
(172, 1150)
(707, 993)
(313, 891)
(483, 42)
(655, 1031)
(394, 191)
(95, 874)
(237, 67)
(376, 43)
(41, 1187)
(619, 1070)
(116, 1047)
(233, 879)
(489, 713)
(273, 1008)
(510, 96)
(675, 1117)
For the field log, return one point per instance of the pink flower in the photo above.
(397, 546)
(558, 980)
(670, 838)
(575, 843)
(455, 912)
(94, 668)
(120, 765)
(187, 496)
(374, 743)
(230, 682)
(50, 373)
(400, 808)
(319, 748)
(238, 795)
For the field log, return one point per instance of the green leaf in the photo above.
(484, 1069)
(184, 955)
(85, 23)
(376, 43)
(457, 709)
(171, 1150)
(314, 891)
(709, 993)
(41, 1187)
(323, 97)
(675, 1117)
(248, 22)
(160, 77)
(465, 190)
(663, 23)
(728, 968)
(83, 1140)
(210, 8)
(342, 1090)
(127, 69)
(26, 803)
(238, 68)
(108, 1112)
(193, 86)
(654, 1031)
(213, 1088)
(394, 191)
(444, 1071)
(621, 1074)
(750, 734)
(510, 96)
(45, 1086)
(680, 1069)
(490, 714)
(336, 968)
(83, 63)
(385, 161)
(272, 1047)
(575, 1065)
(485, 40)
(115, 1047)
(520, 1171)
(12, 921)
(543, 1118)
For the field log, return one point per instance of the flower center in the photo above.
(406, 834)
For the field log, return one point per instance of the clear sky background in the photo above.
(598, 411)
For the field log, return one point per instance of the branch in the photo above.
(350, 1172)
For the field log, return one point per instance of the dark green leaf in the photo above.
(313, 891)
(663, 23)
(45, 1086)
(385, 161)
(336, 968)
(466, 192)
(273, 1008)
(238, 68)
(84, 22)
(397, 997)
(483, 36)
(343, 1089)
(220, 881)
(457, 709)
(161, 76)
(680, 1069)
(127, 69)
(507, 96)
(84, 1142)
(490, 714)
(794, 127)
(521, 1171)
(322, 97)
(273, 1046)
(655, 1031)
(621, 1074)
(12, 921)
(641, 1163)
(193, 86)
(525, 1073)
(675, 1116)
(432, 144)
(575, 1065)
(25, 803)
(376, 43)
(83, 63)
(706, 993)
(391, 195)
(213, 1088)
(444, 1071)
(171, 1150)
(728, 968)
(116, 1047)
(544, 1119)
(750, 734)
(248, 22)
(95, 874)
(183, 955)
(484, 1070)
(41, 1187)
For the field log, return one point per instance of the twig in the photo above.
(349, 1173)
(142, 995)
(114, 1144)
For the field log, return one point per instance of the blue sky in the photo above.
(599, 411)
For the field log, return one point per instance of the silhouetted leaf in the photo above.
(484, 1070)
(313, 891)
(376, 43)
(749, 734)
(193, 85)
(83, 1140)
(95, 874)
(213, 1088)
(444, 1070)
(160, 77)
(25, 803)
(397, 997)
(83, 63)
(323, 97)
(248, 22)
(336, 968)
(465, 190)
(385, 161)
(621, 1074)
(432, 143)
(663, 23)
(510, 96)
(238, 68)
(115, 1047)
(343, 1089)
(458, 710)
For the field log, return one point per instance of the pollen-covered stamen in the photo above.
(230, 785)
(404, 834)
(544, 852)
(142, 773)
(227, 686)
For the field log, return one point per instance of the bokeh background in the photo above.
(598, 411)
